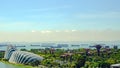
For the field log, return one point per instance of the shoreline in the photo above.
(21, 65)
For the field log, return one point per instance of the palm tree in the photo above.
(52, 51)
(115, 47)
(86, 51)
(98, 47)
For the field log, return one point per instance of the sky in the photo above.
(59, 20)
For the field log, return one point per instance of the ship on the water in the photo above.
(20, 46)
(62, 45)
(34, 45)
(75, 45)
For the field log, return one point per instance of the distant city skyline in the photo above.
(59, 20)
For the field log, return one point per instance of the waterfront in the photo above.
(4, 65)
(98, 57)
(7, 65)
(70, 45)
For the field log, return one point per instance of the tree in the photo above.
(86, 51)
(34, 63)
(81, 61)
(98, 47)
(23, 49)
(104, 65)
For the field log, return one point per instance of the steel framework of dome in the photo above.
(22, 57)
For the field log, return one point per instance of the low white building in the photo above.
(115, 66)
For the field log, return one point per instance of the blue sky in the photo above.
(60, 14)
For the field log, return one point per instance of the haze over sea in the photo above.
(60, 20)
(64, 45)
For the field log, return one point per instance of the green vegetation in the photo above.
(18, 65)
(77, 58)
(86, 58)
(1, 55)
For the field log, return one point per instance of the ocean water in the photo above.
(43, 45)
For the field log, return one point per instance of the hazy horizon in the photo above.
(59, 20)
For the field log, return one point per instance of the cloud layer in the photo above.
(69, 35)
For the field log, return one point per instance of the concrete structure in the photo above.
(10, 49)
(22, 57)
(115, 66)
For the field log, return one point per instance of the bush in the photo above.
(104, 65)
(80, 62)
(5, 59)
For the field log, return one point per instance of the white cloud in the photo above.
(46, 31)
(67, 30)
(57, 31)
(74, 30)
(33, 31)
(38, 36)
(70, 30)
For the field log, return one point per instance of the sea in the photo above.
(58, 45)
